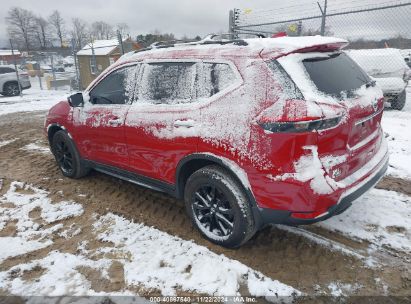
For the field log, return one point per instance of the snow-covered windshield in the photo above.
(336, 75)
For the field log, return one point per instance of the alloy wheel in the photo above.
(64, 157)
(213, 211)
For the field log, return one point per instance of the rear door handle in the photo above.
(189, 123)
(115, 122)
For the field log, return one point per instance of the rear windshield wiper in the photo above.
(370, 83)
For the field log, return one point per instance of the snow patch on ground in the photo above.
(15, 207)
(34, 147)
(6, 142)
(380, 217)
(33, 99)
(396, 125)
(161, 261)
(150, 258)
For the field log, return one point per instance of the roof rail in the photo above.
(231, 36)
(209, 39)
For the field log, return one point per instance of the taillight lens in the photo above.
(296, 116)
(301, 126)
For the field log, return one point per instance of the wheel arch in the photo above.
(194, 162)
(52, 130)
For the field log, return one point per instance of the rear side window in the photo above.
(116, 88)
(284, 80)
(336, 75)
(168, 82)
(214, 78)
(4, 70)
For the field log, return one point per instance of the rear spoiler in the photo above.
(323, 47)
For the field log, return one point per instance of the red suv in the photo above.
(248, 132)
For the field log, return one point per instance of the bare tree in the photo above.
(57, 21)
(123, 29)
(79, 32)
(102, 30)
(21, 26)
(41, 31)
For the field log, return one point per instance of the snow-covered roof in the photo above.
(101, 47)
(274, 47)
(9, 52)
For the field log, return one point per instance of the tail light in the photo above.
(297, 116)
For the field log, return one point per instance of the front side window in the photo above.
(168, 82)
(116, 88)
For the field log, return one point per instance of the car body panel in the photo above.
(152, 140)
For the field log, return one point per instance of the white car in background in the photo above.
(9, 85)
(390, 71)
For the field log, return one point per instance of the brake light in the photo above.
(301, 126)
(297, 116)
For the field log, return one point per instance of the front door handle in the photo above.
(189, 123)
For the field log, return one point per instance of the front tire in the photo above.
(67, 156)
(218, 207)
(399, 102)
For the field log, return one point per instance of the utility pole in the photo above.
(93, 59)
(324, 15)
(120, 42)
(231, 23)
(53, 71)
(73, 51)
(15, 67)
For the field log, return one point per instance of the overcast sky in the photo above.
(181, 17)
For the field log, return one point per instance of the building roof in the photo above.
(9, 53)
(101, 47)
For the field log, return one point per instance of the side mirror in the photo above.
(76, 100)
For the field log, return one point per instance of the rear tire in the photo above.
(11, 89)
(67, 157)
(218, 207)
(399, 102)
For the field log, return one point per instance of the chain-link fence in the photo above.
(379, 35)
(371, 23)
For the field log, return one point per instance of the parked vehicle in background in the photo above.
(247, 131)
(389, 69)
(9, 85)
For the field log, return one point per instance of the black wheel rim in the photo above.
(213, 211)
(13, 89)
(64, 157)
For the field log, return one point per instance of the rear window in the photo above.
(336, 75)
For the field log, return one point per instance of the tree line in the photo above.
(29, 31)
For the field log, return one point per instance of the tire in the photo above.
(11, 89)
(398, 103)
(218, 207)
(67, 157)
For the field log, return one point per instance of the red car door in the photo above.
(161, 124)
(100, 133)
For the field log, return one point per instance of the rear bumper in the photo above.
(355, 186)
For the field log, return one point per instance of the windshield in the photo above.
(336, 75)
